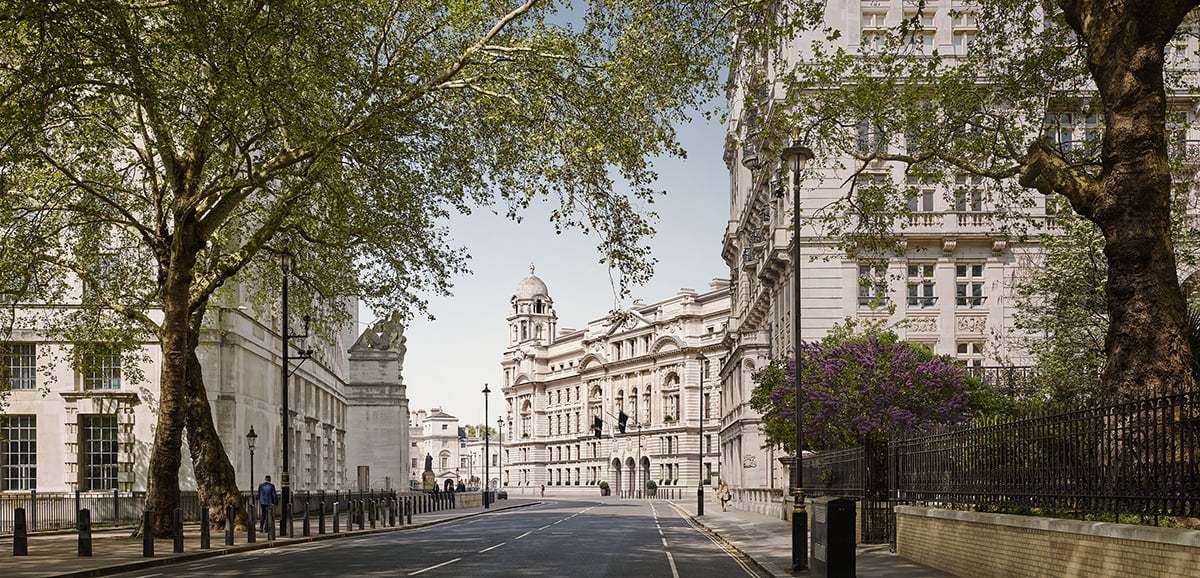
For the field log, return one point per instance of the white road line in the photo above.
(493, 547)
(664, 542)
(522, 535)
(674, 570)
(433, 567)
(544, 527)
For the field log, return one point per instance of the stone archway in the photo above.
(615, 471)
(631, 471)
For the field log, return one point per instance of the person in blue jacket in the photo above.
(267, 498)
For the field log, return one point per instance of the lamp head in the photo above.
(251, 438)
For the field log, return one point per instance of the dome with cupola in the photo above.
(531, 287)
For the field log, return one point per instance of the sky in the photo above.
(451, 358)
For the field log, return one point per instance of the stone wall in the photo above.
(971, 544)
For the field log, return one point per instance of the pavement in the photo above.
(767, 541)
(763, 540)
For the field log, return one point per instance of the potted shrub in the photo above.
(603, 488)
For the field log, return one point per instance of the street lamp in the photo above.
(797, 156)
(486, 391)
(251, 439)
(700, 429)
(500, 453)
(286, 258)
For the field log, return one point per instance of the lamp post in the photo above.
(251, 439)
(797, 156)
(500, 453)
(286, 257)
(700, 430)
(486, 437)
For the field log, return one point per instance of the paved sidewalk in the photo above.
(114, 551)
(768, 542)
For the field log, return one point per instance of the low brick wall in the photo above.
(971, 544)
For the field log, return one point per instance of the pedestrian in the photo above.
(267, 498)
(543, 489)
(724, 494)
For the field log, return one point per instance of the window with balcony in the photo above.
(921, 286)
(19, 365)
(872, 285)
(968, 194)
(968, 285)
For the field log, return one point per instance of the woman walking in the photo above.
(724, 495)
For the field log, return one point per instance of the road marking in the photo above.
(664, 540)
(674, 570)
(493, 547)
(544, 527)
(522, 535)
(434, 567)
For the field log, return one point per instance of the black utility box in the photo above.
(833, 538)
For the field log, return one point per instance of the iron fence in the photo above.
(47, 511)
(1133, 458)
(1139, 458)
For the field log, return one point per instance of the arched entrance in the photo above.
(632, 473)
(616, 475)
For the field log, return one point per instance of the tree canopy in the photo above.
(1070, 103)
(156, 151)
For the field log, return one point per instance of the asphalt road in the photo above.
(560, 537)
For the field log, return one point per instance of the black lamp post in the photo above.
(500, 453)
(286, 257)
(486, 437)
(251, 439)
(700, 430)
(797, 156)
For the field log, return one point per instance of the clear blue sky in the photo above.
(449, 359)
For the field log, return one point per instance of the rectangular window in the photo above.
(19, 366)
(414, 464)
(871, 138)
(921, 286)
(873, 31)
(872, 285)
(920, 194)
(1060, 131)
(102, 370)
(18, 452)
(98, 446)
(963, 32)
(968, 194)
(971, 353)
(968, 285)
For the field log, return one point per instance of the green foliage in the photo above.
(650, 484)
(603, 485)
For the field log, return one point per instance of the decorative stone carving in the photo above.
(972, 324)
(749, 461)
(923, 324)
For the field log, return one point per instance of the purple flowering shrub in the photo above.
(857, 386)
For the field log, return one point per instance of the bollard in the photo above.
(84, 524)
(321, 517)
(20, 533)
(177, 530)
(336, 527)
(270, 524)
(307, 524)
(410, 504)
(252, 531)
(148, 534)
(229, 525)
(205, 539)
(362, 507)
(373, 508)
(392, 513)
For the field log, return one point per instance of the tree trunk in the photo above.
(216, 480)
(162, 496)
(1147, 346)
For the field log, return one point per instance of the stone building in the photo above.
(64, 429)
(646, 377)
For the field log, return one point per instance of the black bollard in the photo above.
(410, 505)
(205, 538)
(321, 518)
(361, 511)
(373, 508)
(85, 532)
(392, 513)
(270, 524)
(307, 524)
(252, 530)
(20, 533)
(229, 525)
(177, 530)
(148, 534)
(336, 514)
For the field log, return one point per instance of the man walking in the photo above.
(267, 498)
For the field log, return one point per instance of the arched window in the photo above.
(537, 306)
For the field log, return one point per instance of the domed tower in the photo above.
(532, 318)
